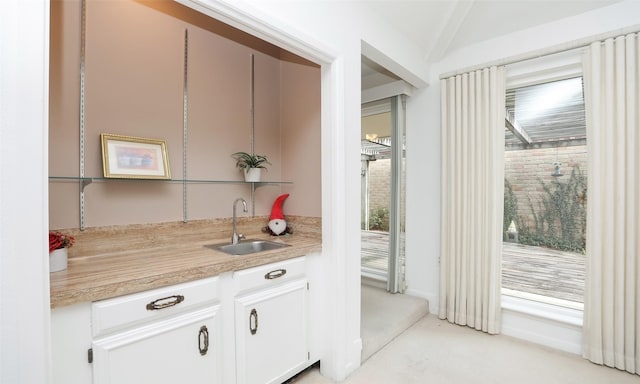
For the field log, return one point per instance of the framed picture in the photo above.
(127, 157)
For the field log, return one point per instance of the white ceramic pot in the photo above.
(252, 174)
(58, 260)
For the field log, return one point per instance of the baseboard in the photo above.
(432, 300)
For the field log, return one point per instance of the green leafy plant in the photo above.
(559, 222)
(562, 215)
(510, 212)
(379, 219)
(245, 160)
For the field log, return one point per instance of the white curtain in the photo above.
(473, 115)
(612, 310)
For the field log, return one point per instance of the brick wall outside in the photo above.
(380, 186)
(523, 167)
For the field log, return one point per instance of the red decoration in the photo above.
(59, 240)
(276, 210)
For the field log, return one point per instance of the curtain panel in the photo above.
(612, 296)
(472, 144)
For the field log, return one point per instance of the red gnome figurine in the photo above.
(277, 224)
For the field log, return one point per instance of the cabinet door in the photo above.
(271, 334)
(180, 349)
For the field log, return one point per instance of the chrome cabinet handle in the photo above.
(275, 274)
(253, 321)
(203, 340)
(165, 302)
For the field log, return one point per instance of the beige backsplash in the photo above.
(97, 241)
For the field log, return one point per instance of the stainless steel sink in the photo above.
(246, 247)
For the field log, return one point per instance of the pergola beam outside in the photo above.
(515, 128)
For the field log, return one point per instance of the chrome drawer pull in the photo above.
(165, 302)
(275, 274)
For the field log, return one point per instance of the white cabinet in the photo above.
(246, 327)
(70, 341)
(167, 335)
(271, 322)
(174, 350)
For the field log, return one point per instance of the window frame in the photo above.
(543, 320)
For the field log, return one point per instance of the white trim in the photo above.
(560, 314)
(570, 45)
(538, 319)
(559, 66)
(384, 91)
(543, 299)
(25, 326)
(541, 323)
(386, 62)
(251, 20)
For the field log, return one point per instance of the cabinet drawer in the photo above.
(269, 274)
(120, 312)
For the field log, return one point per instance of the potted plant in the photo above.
(251, 164)
(58, 254)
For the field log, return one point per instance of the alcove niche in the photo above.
(163, 71)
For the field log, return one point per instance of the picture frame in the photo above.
(128, 157)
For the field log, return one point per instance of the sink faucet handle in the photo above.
(236, 237)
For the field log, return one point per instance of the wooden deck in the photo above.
(543, 271)
(533, 270)
(375, 250)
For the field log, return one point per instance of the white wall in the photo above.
(24, 268)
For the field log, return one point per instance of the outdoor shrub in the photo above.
(379, 219)
(560, 217)
(510, 207)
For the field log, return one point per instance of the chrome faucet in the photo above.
(235, 238)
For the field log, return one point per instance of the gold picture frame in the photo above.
(128, 157)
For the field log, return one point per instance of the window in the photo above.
(545, 192)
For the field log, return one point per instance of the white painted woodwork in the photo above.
(279, 346)
(131, 344)
(165, 351)
(135, 344)
(113, 314)
(254, 278)
(70, 340)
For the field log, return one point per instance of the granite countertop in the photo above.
(115, 261)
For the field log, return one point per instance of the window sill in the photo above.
(561, 311)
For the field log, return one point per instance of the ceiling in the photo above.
(439, 27)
